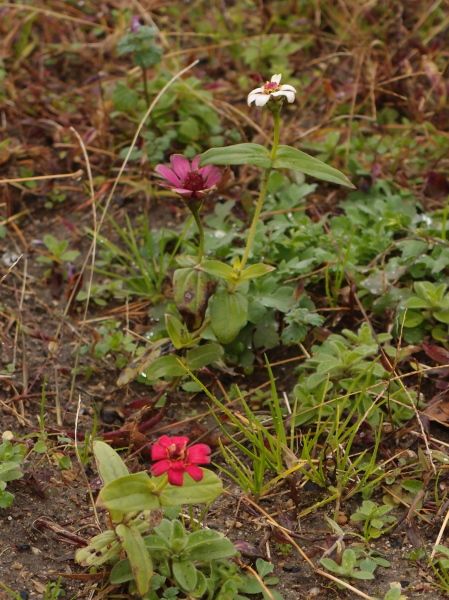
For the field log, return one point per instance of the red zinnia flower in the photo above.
(187, 179)
(174, 458)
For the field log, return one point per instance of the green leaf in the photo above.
(193, 492)
(255, 271)
(442, 316)
(165, 366)
(416, 302)
(216, 268)
(139, 559)
(191, 290)
(102, 548)
(229, 314)
(69, 256)
(40, 447)
(156, 545)
(131, 493)
(431, 292)
(264, 567)
(185, 575)
(413, 319)
(291, 158)
(177, 331)
(121, 572)
(125, 99)
(394, 593)
(208, 545)
(109, 464)
(199, 357)
(414, 486)
(6, 499)
(238, 154)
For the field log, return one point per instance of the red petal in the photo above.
(158, 452)
(180, 440)
(160, 467)
(195, 472)
(176, 477)
(199, 454)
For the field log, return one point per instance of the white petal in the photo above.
(262, 99)
(253, 95)
(256, 90)
(276, 78)
(289, 95)
(287, 88)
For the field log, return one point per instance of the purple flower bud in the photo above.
(135, 24)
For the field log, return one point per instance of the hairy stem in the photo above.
(195, 210)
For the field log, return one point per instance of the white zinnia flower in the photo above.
(271, 88)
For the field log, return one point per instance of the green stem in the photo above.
(444, 220)
(276, 133)
(196, 215)
(145, 87)
(263, 191)
(253, 227)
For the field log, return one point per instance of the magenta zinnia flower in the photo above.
(188, 179)
(174, 458)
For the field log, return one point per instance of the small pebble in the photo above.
(342, 519)
(313, 593)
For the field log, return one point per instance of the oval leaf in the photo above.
(291, 158)
(193, 492)
(185, 574)
(254, 271)
(229, 314)
(110, 465)
(165, 366)
(238, 154)
(137, 553)
(206, 544)
(130, 493)
(218, 269)
(199, 357)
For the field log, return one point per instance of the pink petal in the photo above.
(160, 467)
(176, 477)
(196, 162)
(180, 164)
(199, 453)
(211, 174)
(168, 174)
(195, 472)
(184, 192)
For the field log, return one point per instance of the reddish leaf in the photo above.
(437, 353)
